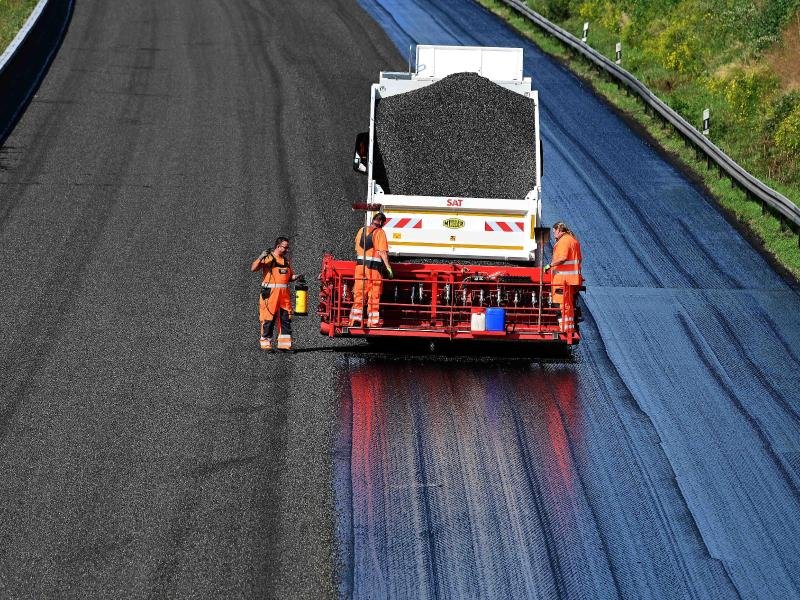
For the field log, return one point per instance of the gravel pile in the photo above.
(461, 136)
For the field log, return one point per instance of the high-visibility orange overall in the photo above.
(368, 275)
(275, 303)
(566, 275)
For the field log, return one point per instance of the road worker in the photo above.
(372, 258)
(275, 303)
(566, 270)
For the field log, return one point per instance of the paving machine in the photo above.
(465, 268)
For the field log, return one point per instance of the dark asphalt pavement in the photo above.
(147, 447)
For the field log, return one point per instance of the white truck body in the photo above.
(454, 227)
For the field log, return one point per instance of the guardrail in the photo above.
(783, 208)
(25, 61)
(5, 57)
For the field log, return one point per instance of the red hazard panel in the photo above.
(505, 226)
(404, 223)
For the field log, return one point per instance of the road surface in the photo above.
(148, 449)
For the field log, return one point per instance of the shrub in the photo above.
(779, 110)
(771, 18)
(787, 135)
(604, 12)
(557, 10)
(674, 41)
(745, 91)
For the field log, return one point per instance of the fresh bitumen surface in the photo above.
(663, 462)
(461, 136)
(147, 447)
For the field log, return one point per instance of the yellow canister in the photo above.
(301, 300)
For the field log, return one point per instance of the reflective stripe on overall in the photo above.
(368, 275)
(277, 276)
(566, 279)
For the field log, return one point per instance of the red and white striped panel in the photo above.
(505, 226)
(403, 223)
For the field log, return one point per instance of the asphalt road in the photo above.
(663, 462)
(147, 447)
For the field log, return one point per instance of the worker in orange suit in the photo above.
(566, 271)
(372, 257)
(275, 303)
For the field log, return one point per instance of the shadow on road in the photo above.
(442, 351)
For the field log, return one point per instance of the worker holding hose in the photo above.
(566, 270)
(372, 257)
(275, 303)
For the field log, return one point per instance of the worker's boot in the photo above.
(356, 316)
(265, 343)
(284, 342)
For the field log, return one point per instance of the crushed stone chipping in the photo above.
(461, 136)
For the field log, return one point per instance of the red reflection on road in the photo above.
(552, 415)
(558, 413)
(368, 428)
(459, 398)
(446, 456)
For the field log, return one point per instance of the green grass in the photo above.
(781, 244)
(13, 14)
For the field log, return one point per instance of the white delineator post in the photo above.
(585, 31)
(619, 53)
(706, 121)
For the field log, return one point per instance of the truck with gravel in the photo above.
(453, 158)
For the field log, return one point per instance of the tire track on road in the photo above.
(175, 140)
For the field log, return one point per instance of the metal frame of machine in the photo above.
(436, 301)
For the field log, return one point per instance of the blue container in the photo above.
(495, 319)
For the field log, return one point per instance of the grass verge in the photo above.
(764, 230)
(13, 14)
